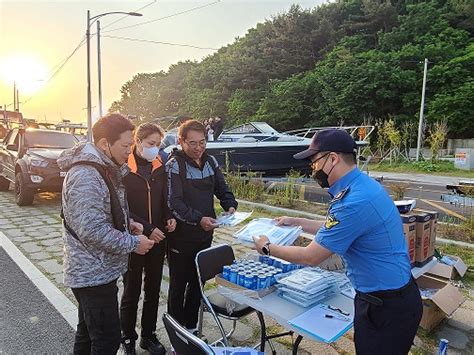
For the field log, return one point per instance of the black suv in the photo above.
(28, 159)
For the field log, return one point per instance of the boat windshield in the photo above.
(252, 128)
(265, 128)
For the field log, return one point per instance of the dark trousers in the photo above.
(152, 265)
(184, 295)
(98, 330)
(388, 328)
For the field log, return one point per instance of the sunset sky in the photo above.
(37, 36)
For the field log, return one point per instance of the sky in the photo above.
(37, 36)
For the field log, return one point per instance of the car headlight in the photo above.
(39, 163)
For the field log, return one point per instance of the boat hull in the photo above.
(268, 159)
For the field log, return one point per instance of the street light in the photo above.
(90, 21)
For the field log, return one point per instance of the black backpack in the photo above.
(115, 206)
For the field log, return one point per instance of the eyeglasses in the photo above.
(332, 308)
(193, 144)
(314, 162)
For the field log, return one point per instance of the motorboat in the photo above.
(256, 147)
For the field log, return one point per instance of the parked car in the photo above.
(28, 160)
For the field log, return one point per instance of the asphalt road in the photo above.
(428, 196)
(29, 324)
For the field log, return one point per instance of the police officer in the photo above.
(364, 227)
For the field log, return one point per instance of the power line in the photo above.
(165, 17)
(125, 16)
(58, 68)
(53, 69)
(158, 42)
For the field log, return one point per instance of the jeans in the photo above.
(98, 330)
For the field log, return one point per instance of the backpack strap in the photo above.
(115, 206)
(182, 165)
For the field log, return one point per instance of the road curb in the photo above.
(455, 242)
(63, 305)
(281, 210)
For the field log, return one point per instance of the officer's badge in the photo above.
(340, 195)
(331, 221)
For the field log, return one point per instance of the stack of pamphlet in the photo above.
(281, 235)
(344, 285)
(307, 286)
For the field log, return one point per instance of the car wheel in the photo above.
(4, 184)
(24, 194)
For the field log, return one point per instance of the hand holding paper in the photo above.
(260, 242)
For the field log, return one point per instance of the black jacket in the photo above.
(191, 194)
(147, 193)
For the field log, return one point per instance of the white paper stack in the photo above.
(230, 220)
(281, 235)
(307, 286)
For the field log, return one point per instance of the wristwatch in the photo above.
(266, 248)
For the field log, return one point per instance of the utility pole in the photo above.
(422, 107)
(90, 21)
(14, 96)
(99, 69)
(89, 98)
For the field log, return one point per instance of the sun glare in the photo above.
(28, 72)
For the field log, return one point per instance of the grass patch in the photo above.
(455, 230)
(445, 168)
(429, 342)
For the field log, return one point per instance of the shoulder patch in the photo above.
(340, 195)
(331, 221)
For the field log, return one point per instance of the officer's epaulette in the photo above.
(340, 195)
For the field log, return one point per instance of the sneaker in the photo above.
(129, 346)
(152, 345)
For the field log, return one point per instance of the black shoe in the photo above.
(152, 345)
(129, 346)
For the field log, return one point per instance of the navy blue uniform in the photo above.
(364, 227)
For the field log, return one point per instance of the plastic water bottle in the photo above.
(443, 347)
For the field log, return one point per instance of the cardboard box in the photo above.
(423, 234)
(441, 304)
(409, 230)
(251, 293)
(449, 271)
(433, 227)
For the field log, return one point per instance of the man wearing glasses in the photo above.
(194, 178)
(364, 227)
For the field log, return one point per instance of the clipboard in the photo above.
(328, 330)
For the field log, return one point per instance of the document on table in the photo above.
(230, 220)
(327, 329)
(281, 235)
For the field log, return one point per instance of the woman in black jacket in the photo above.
(147, 199)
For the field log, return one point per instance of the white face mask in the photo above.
(149, 154)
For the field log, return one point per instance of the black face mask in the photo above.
(320, 176)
